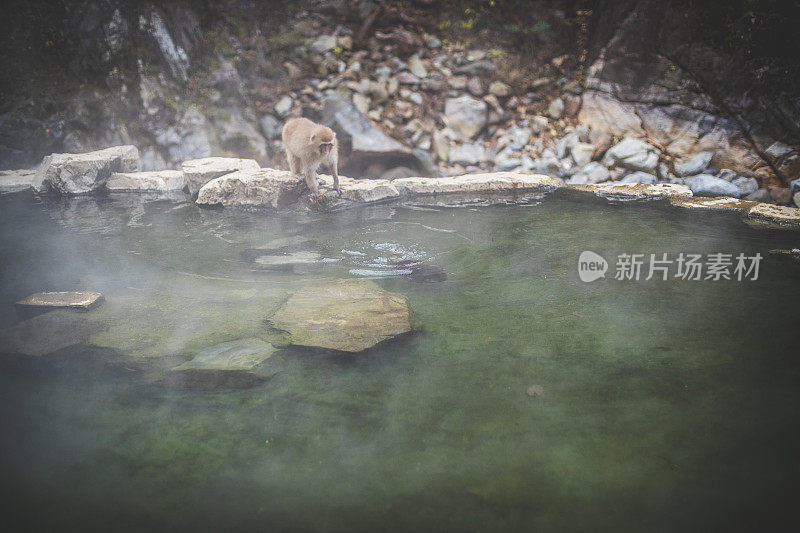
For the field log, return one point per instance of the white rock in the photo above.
(496, 181)
(466, 115)
(263, 187)
(468, 154)
(441, 145)
(198, 172)
(594, 172)
(284, 105)
(538, 124)
(521, 136)
(582, 153)
(556, 108)
(323, 43)
(498, 88)
(633, 154)
(637, 190)
(363, 191)
(416, 67)
(85, 173)
(159, 180)
(361, 102)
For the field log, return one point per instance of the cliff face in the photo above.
(189, 79)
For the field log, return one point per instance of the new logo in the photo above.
(591, 266)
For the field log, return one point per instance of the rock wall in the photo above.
(184, 80)
(654, 72)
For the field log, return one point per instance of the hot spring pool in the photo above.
(654, 404)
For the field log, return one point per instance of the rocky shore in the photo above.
(234, 182)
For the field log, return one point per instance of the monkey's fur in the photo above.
(307, 146)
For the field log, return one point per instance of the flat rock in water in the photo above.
(48, 332)
(495, 181)
(198, 172)
(234, 364)
(17, 180)
(343, 315)
(159, 180)
(635, 190)
(82, 300)
(781, 215)
(725, 203)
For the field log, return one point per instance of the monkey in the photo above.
(307, 146)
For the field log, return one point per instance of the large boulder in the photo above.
(362, 145)
(466, 115)
(236, 364)
(198, 172)
(158, 180)
(343, 315)
(707, 185)
(261, 187)
(70, 174)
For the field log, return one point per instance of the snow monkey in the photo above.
(307, 146)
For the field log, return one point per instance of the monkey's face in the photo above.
(324, 139)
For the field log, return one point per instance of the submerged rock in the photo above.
(421, 271)
(233, 364)
(265, 187)
(159, 180)
(343, 315)
(295, 243)
(43, 301)
(70, 174)
(48, 332)
(287, 261)
(198, 172)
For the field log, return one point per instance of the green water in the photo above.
(667, 405)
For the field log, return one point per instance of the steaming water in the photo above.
(666, 405)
